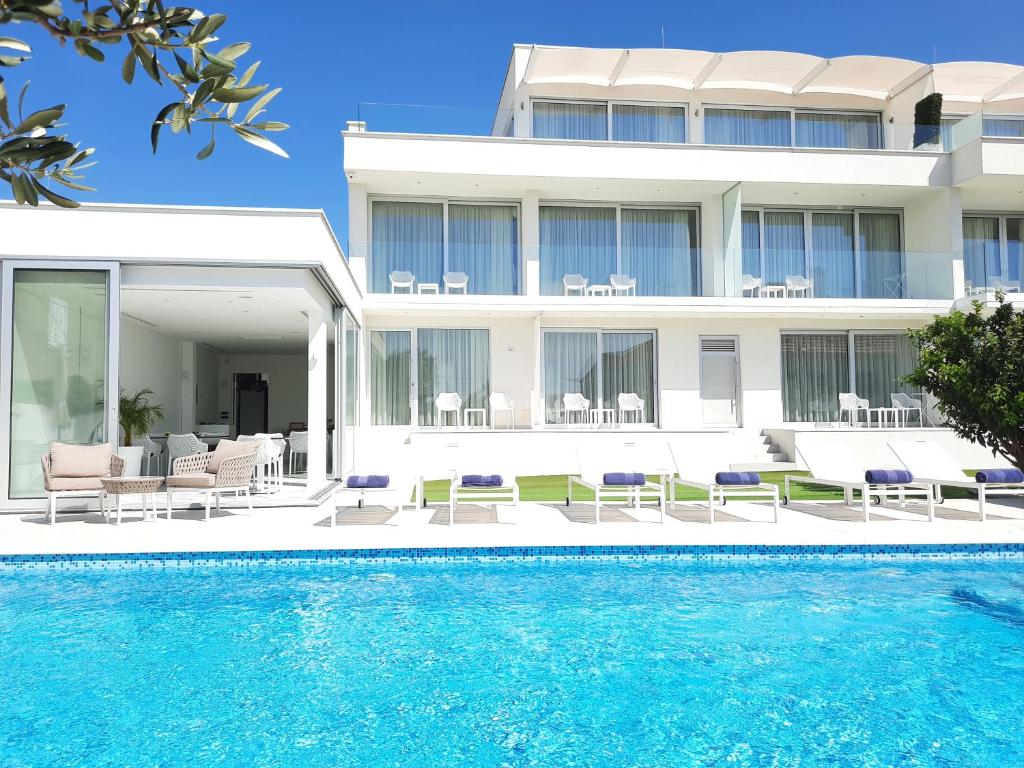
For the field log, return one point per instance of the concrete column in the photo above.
(732, 241)
(358, 233)
(188, 386)
(531, 242)
(316, 383)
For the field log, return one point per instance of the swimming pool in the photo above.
(676, 662)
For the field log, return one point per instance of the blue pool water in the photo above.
(827, 662)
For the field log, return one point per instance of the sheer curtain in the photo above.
(407, 237)
(570, 120)
(784, 246)
(881, 260)
(570, 365)
(1003, 126)
(483, 242)
(657, 251)
(749, 127)
(879, 360)
(832, 265)
(751, 228)
(390, 377)
(627, 365)
(1015, 249)
(822, 129)
(641, 122)
(575, 240)
(981, 250)
(452, 360)
(815, 369)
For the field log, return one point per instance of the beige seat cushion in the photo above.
(80, 460)
(76, 483)
(205, 480)
(227, 449)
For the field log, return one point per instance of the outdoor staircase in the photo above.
(759, 454)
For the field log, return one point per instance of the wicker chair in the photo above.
(191, 473)
(73, 483)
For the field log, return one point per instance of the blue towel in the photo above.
(481, 481)
(738, 478)
(888, 476)
(625, 478)
(1011, 475)
(367, 481)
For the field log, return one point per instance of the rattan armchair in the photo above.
(191, 473)
(74, 484)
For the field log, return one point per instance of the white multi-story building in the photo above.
(736, 238)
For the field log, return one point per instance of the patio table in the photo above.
(146, 487)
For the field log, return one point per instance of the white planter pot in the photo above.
(132, 456)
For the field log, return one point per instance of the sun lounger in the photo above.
(930, 463)
(721, 484)
(390, 490)
(479, 488)
(623, 475)
(834, 465)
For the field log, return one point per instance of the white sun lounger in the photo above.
(629, 457)
(930, 463)
(834, 465)
(400, 487)
(488, 496)
(699, 472)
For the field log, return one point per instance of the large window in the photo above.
(600, 121)
(427, 362)
(816, 367)
(430, 239)
(1003, 127)
(747, 127)
(845, 254)
(657, 247)
(993, 252)
(792, 127)
(600, 365)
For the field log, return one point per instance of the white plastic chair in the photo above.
(456, 281)
(150, 450)
(575, 402)
(630, 402)
(402, 281)
(752, 285)
(298, 445)
(798, 285)
(849, 402)
(904, 405)
(183, 445)
(622, 285)
(574, 285)
(502, 403)
(1004, 286)
(448, 402)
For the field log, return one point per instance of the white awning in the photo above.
(665, 67)
(873, 77)
(976, 82)
(775, 71)
(576, 66)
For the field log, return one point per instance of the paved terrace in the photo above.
(529, 524)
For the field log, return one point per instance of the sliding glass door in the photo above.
(59, 377)
(391, 378)
(993, 252)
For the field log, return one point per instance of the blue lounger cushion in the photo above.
(1009, 475)
(737, 478)
(888, 476)
(481, 481)
(367, 481)
(625, 478)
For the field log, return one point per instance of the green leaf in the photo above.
(148, 62)
(237, 95)
(91, 51)
(40, 119)
(158, 123)
(12, 61)
(18, 189)
(53, 197)
(128, 66)
(187, 69)
(179, 120)
(73, 185)
(5, 115)
(261, 102)
(14, 44)
(259, 141)
(244, 81)
(206, 151)
(216, 66)
(234, 51)
(28, 193)
(270, 126)
(203, 92)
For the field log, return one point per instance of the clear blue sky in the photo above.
(335, 55)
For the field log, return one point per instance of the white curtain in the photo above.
(570, 120)
(483, 242)
(784, 247)
(390, 372)
(832, 258)
(657, 251)
(881, 262)
(815, 369)
(570, 365)
(981, 250)
(749, 127)
(1003, 126)
(816, 129)
(452, 360)
(751, 229)
(627, 366)
(641, 122)
(575, 241)
(407, 237)
(879, 360)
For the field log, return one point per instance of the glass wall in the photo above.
(599, 121)
(406, 237)
(837, 129)
(350, 394)
(583, 121)
(646, 122)
(600, 365)
(993, 252)
(787, 127)
(58, 367)
(390, 377)
(576, 240)
(747, 127)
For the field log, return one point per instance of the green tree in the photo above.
(175, 47)
(973, 364)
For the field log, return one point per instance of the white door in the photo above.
(719, 380)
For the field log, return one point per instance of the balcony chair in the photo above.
(183, 445)
(798, 286)
(574, 285)
(448, 402)
(848, 401)
(298, 445)
(751, 284)
(502, 403)
(630, 402)
(999, 285)
(227, 470)
(904, 405)
(150, 450)
(402, 281)
(456, 281)
(575, 402)
(75, 470)
(622, 285)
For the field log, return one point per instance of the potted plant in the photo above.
(136, 416)
(928, 122)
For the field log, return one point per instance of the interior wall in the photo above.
(149, 359)
(286, 377)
